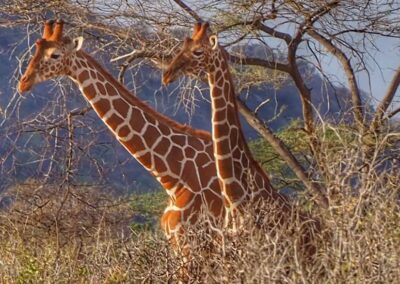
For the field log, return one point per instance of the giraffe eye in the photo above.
(197, 52)
(55, 56)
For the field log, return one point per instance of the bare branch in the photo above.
(319, 13)
(341, 56)
(393, 113)
(386, 101)
(189, 10)
(277, 34)
(284, 152)
(258, 62)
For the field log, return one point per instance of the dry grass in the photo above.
(83, 236)
(360, 249)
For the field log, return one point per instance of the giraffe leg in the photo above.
(171, 223)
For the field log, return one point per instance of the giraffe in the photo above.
(179, 157)
(243, 181)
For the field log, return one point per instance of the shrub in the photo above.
(50, 234)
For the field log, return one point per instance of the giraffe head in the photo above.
(52, 56)
(196, 56)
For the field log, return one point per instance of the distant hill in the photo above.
(20, 160)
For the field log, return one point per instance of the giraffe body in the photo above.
(179, 157)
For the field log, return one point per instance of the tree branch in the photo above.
(386, 101)
(284, 152)
(283, 36)
(258, 62)
(136, 54)
(393, 113)
(319, 13)
(189, 10)
(348, 69)
(305, 93)
(162, 60)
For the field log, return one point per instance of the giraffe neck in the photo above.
(241, 177)
(157, 142)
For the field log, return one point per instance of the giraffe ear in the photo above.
(77, 43)
(213, 41)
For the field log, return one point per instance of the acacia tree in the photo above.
(295, 32)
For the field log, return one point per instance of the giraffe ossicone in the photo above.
(179, 157)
